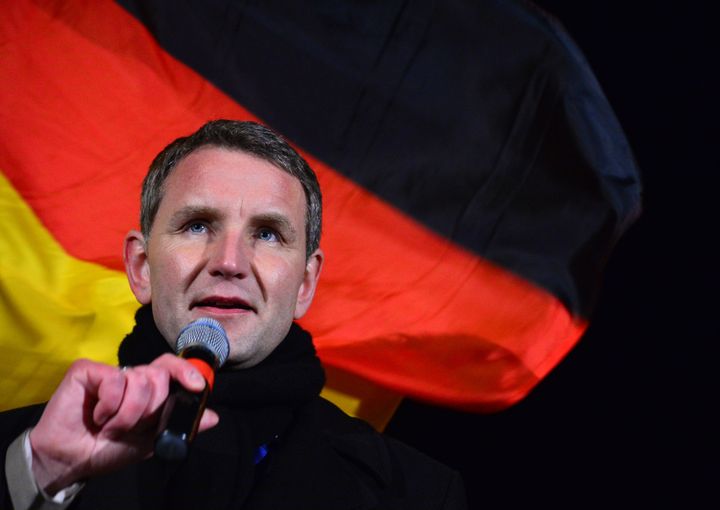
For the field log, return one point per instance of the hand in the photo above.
(102, 418)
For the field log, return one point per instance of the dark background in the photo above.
(627, 419)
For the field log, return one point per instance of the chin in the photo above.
(239, 363)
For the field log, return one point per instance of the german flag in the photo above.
(474, 177)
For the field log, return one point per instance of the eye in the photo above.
(197, 228)
(268, 235)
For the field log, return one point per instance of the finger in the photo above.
(182, 371)
(136, 399)
(110, 394)
(100, 384)
(89, 393)
(159, 379)
(209, 419)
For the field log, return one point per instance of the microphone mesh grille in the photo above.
(208, 333)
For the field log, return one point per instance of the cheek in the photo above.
(281, 277)
(173, 270)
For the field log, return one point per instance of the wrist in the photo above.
(52, 474)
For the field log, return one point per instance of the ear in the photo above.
(136, 266)
(309, 283)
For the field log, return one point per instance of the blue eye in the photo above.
(266, 234)
(197, 228)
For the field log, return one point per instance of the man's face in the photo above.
(228, 242)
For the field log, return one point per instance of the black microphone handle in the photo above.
(183, 410)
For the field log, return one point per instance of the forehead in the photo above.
(221, 178)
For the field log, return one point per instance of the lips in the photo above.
(222, 303)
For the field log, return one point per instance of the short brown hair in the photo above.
(245, 136)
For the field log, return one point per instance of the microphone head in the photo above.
(207, 333)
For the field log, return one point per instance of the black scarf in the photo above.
(290, 375)
(256, 407)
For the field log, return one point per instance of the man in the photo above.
(230, 220)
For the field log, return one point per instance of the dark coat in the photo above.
(325, 460)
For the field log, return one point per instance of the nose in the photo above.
(228, 256)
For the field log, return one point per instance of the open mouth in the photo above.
(223, 304)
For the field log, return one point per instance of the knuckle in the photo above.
(166, 358)
(80, 364)
(158, 373)
(137, 389)
(161, 377)
(143, 385)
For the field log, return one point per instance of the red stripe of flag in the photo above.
(93, 98)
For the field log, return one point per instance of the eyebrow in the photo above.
(190, 211)
(277, 221)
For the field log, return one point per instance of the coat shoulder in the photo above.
(397, 472)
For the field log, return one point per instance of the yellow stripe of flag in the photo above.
(54, 308)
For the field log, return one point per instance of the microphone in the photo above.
(203, 343)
